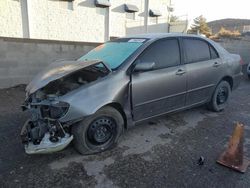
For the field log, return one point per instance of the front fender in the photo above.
(87, 100)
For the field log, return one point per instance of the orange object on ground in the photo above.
(233, 157)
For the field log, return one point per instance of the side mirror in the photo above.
(144, 66)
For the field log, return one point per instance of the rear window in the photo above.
(196, 50)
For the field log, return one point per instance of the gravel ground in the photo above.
(160, 153)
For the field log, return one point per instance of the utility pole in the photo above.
(169, 15)
(146, 15)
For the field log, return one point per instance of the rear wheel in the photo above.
(98, 132)
(220, 97)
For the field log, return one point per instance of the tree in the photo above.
(227, 33)
(200, 26)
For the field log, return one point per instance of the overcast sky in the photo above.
(213, 9)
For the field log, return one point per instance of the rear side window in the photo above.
(165, 53)
(196, 50)
(214, 53)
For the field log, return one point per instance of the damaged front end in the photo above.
(44, 132)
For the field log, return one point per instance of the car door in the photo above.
(162, 89)
(204, 69)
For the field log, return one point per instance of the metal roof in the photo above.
(154, 13)
(102, 3)
(131, 8)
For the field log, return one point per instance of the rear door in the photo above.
(204, 68)
(162, 89)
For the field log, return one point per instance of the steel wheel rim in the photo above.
(101, 131)
(222, 95)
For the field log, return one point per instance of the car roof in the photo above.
(155, 36)
(162, 35)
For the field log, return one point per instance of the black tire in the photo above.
(218, 101)
(248, 76)
(98, 132)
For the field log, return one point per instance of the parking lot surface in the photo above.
(162, 152)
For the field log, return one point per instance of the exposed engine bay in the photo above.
(73, 81)
(43, 132)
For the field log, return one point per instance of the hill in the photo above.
(230, 24)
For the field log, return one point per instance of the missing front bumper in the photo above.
(45, 145)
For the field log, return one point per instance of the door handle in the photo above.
(180, 72)
(216, 64)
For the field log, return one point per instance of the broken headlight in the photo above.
(54, 111)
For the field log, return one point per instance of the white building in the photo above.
(82, 20)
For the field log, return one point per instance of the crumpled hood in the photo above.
(55, 71)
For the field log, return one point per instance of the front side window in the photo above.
(196, 50)
(114, 53)
(164, 53)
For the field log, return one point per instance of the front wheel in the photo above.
(220, 97)
(98, 132)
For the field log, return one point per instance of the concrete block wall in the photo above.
(238, 46)
(22, 59)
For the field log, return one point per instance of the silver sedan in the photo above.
(92, 100)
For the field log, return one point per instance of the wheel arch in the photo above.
(228, 79)
(119, 108)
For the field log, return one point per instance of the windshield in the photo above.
(113, 53)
